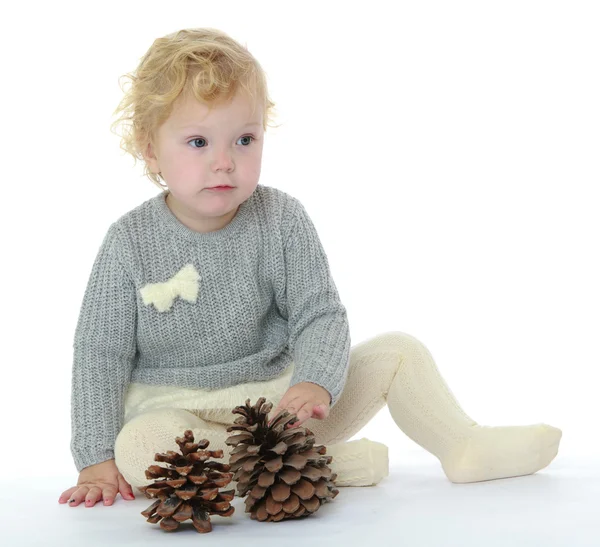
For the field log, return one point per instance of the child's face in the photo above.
(198, 149)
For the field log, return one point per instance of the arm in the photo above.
(319, 335)
(104, 350)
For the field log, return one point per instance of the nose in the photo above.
(222, 160)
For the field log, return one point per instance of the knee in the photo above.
(157, 427)
(152, 419)
(401, 349)
(397, 339)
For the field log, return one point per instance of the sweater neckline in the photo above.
(169, 220)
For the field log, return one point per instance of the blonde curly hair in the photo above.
(202, 62)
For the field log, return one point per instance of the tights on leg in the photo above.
(397, 369)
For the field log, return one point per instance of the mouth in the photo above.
(222, 187)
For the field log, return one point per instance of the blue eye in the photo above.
(203, 139)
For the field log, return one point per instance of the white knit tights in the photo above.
(393, 368)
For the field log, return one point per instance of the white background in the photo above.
(447, 153)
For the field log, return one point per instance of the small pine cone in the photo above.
(189, 487)
(284, 475)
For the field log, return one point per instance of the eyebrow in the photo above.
(204, 128)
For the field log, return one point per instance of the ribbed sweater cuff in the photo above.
(334, 385)
(86, 457)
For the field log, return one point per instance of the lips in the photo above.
(220, 187)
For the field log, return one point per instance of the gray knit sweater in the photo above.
(167, 305)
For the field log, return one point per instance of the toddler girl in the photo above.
(218, 289)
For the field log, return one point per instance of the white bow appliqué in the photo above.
(183, 284)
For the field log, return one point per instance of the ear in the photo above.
(150, 158)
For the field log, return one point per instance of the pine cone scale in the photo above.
(169, 524)
(266, 479)
(156, 471)
(201, 520)
(175, 483)
(168, 507)
(303, 489)
(183, 513)
(280, 448)
(280, 491)
(187, 491)
(152, 509)
(184, 469)
(312, 504)
(248, 464)
(239, 438)
(274, 465)
(261, 512)
(258, 492)
(273, 507)
(297, 461)
(291, 504)
(290, 475)
(209, 494)
(312, 473)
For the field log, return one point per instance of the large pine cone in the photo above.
(191, 487)
(286, 476)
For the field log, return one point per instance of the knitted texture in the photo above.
(166, 305)
(360, 462)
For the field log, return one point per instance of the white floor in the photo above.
(414, 506)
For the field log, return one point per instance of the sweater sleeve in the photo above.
(319, 335)
(103, 355)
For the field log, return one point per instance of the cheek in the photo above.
(252, 168)
(183, 164)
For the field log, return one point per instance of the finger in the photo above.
(109, 493)
(125, 489)
(294, 406)
(66, 495)
(303, 414)
(78, 495)
(321, 411)
(93, 496)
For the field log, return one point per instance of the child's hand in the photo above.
(306, 400)
(96, 482)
